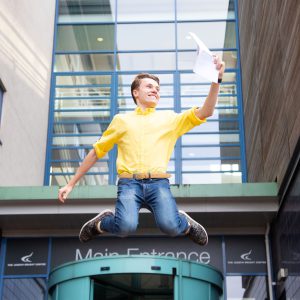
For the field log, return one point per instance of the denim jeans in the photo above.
(153, 194)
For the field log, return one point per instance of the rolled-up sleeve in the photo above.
(186, 121)
(109, 138)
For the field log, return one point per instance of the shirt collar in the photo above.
(147, 111)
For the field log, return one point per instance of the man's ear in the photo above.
(135, 93)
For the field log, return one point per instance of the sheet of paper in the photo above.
(204, 65)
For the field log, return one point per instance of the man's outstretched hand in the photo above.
(64, 192)
(220, 65)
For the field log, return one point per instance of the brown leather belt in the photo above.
(141, 176)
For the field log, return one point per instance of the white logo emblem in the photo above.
(27, 258)
(245, 256)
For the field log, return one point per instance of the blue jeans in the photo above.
(153, 194)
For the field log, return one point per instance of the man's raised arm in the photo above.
(208, 107)
(87, 163)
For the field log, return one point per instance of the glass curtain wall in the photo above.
(100, 45)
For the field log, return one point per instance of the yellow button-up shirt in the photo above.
(145, 139)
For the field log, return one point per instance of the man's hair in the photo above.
(137, 81)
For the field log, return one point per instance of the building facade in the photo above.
(67, 66)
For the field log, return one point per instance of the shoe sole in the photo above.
(202, 228)
(91, 220)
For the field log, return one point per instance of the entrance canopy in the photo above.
(221, 208)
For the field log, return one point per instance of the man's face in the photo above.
(147, 95)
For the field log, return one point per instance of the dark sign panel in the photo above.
(245, 254)
(66, 250)
(26, 256)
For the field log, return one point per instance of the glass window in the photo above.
(71, 80)
(83, 128)
(147, 62)
(210, 177)
(209, 138)
(83, 104)
(246, 287)
(210, 151)
(85, 37)
(78, 154)
(186, 60)
(146, 36)
(99, 49)
(133, 286)
(74, 140)
(155, 10)
(86, 11)
(188, 78)
(25, 289)
(70, 167)
(215, 126)
(213, 34)
(83, 62)
(81, 115)
(205, 10)
(211, 165)
(62, 180)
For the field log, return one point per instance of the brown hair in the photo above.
(137, 81)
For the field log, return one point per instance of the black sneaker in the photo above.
(196, 232)
(90, 230)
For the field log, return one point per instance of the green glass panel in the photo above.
(85, 37)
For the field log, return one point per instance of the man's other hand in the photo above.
(63, 193)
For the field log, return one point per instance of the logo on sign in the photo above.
(27, 262)
(27, 258)
(246, 255)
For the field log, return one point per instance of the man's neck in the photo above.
(144, 108)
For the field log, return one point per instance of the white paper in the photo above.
(204, 65)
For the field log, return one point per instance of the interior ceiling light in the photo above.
(99, 39)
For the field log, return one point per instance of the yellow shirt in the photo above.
(145, 139)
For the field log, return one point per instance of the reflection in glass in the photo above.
(24, 288)
(146, 36)
(82, 92)
(71, 154)
(155, 10)
(204, 139)
(74, 140)
(212, 34)
(205, 10)
(133, 286)
(200, 178)
(211, 126)
(210, 152)
(147, 62)
(192, 78)
(246, 287)
(76, 115)
(82, 128)
(211, 165)
(83, 80)
(66, 167)
(83, 103)
(62, 180)
(186, 60)
(86, 11)
(85, 37)
(83, 62)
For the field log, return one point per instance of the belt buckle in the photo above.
(140, 176)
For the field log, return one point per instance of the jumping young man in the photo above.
(145, 139)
